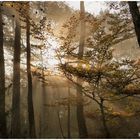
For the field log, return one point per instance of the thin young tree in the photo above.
(80, 110)
(2, 83)
(69, 114)
(134, 10)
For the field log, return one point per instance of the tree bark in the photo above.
(134, 10)
(3, 130)
(31, 118)
(80, 110)
(15, 122)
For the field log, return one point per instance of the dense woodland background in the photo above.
(67, 73)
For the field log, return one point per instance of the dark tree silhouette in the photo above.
(2, 83)
(15, 124)
(134, 10)
(32, 132)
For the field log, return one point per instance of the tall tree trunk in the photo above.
(32, 132)
(3, 130)
(80, 110)
(80, 113)
(15, 122)
(43, 116)
(134, 10)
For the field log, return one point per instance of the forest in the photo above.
(69, 69)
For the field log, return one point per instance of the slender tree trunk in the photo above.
(69, 114)
(3, 130)
(15, 122)
(32, 131)
(68, 121)
(107, 133)
(60, 125)
(80, 113)
(82, 30)
(134, 10)
(43, 117)
(80, 110)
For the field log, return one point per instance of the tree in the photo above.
(80, 111)
(134, 10)
(129, 13)
(104, 75)
(82, 30)
(32, 132)
(15, 122)
(108, 80)
(3, 130)
(68, 50)
(69, 114)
